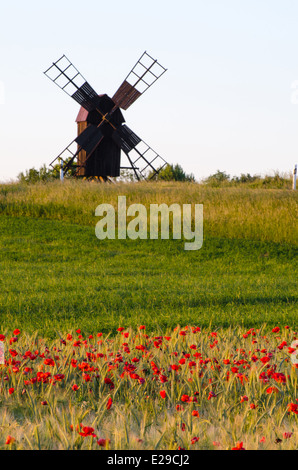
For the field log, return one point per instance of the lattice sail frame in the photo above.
(143, 159)
(67, 77)
(142, 76)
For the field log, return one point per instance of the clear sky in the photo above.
(225, 103)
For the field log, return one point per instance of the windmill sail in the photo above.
(144, 160)
(142, 76)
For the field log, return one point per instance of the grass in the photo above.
(56, 274)
(251, 214)
(189, 389)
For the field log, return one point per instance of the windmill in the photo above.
(102, 134)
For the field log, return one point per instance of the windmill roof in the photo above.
(83, 114)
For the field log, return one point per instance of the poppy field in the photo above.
(185, 388)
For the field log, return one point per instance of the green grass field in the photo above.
(56, 275)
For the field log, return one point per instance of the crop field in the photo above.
(65, 294)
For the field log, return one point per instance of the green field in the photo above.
(56, 275)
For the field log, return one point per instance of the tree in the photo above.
(172, 173)
(217, 178)
(44, 174)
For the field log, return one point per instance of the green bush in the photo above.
(45, 174)
(173, 173)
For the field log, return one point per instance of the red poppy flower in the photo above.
(239, 446)
(211, 395)
(103, 442)
(87, 431)
(9, 440)
(49, 362)
(185, 398)
(194, 440)
(272, 390)
(179, 408)
(109, 403)
(293, 408)
(11, 390)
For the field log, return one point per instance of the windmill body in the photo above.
(106, 158)
(102, 134)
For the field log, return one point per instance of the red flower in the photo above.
(194, 440)
(287, 435)
(59, 377)
(185, 398)
(272, 390)
(120, 329)
(75, 387)
(195, 413)
(16, 332)
(293, 408)
(142, 327)
(87, 431)
(243, 399)
(163, 393)
(49, 362)
(239, 446)
(13, 352)
(9, 440)
(211, 395)
(179, 408)
(109, 403)
(2, 337)
(276, 329)
(11, 390)
(44, 403)
(103, 442)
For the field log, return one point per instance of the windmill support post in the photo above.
(61, 171)
(294, 177)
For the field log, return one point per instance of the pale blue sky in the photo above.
(225, 102)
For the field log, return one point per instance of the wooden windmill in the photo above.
(102, 134)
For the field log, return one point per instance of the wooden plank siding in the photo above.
(82, 154)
